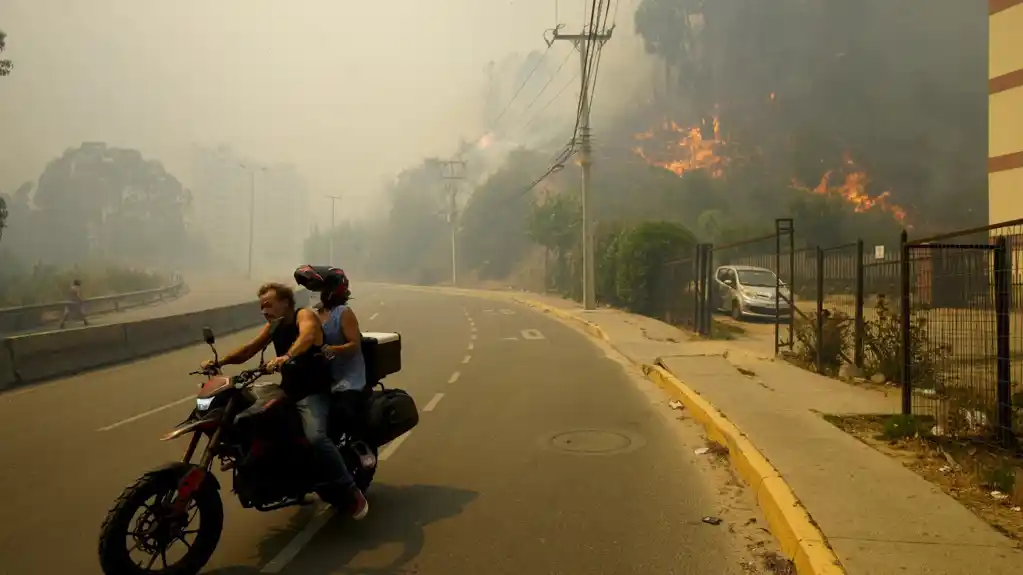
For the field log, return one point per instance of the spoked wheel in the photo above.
(141, 536)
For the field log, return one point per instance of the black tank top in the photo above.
(307, 373)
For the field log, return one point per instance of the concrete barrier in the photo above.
(56, 353)
(149, 337)
(7, 377)
(39, 356)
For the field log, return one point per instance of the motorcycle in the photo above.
(260, 441)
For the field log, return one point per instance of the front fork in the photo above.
(193, 479)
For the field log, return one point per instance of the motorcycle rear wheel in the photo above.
(115, 548)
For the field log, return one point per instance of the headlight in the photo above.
(202, 404)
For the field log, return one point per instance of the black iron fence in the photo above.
(942, 317)
(961, 326)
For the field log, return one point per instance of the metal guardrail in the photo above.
(14, 319)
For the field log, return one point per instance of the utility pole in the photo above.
(453, 173)
(330, 235)
(252, 213)
(585, 43)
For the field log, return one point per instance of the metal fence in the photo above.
(962, 332)
(942, 316)
(15, 319)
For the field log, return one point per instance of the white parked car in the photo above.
(750, 292)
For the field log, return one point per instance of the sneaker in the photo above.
(360, 506)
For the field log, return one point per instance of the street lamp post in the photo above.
(330, 235)
(252, 213)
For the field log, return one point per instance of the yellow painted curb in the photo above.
(799, 537)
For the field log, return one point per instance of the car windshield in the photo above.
(757, 278)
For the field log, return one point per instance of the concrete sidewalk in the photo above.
(879, 517)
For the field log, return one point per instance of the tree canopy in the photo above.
(5, 65)
(108, 203)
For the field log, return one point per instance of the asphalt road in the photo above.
(481, 486)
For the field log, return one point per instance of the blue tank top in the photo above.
(347, 370)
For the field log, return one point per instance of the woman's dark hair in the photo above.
(331, 300)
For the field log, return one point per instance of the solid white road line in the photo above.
(433, 402)
(392, 447)
(454, 377)
(290, 551)
(147, 413)
(466, 359)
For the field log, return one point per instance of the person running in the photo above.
(75, 308)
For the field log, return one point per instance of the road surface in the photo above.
(480, 487)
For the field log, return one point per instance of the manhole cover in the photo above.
(592, 441)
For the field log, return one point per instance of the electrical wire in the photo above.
(540, 112)
(529, 76)
(590, 60)
(545, 86)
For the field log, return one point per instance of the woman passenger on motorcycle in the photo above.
(342, 337)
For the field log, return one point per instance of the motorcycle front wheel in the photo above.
(166, 545)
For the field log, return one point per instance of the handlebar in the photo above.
(244, 374)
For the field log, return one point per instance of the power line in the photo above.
(521, 86)
(540, 112)
(545, 86)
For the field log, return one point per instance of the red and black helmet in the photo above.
(331, 282)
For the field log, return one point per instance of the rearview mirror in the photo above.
(207, 336)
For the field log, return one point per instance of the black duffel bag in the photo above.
(390, 413)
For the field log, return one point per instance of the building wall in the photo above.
(1005, 110)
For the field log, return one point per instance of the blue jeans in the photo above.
(315, 411)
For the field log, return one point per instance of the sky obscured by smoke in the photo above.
(349, 92)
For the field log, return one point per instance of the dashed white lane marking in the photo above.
(392, 447)
(291, 550)
(471, 346)
(466, 359)
(147, 413)
(454, 377)
(510, 339)
(433, 402)
(472, 336)
(374, 316)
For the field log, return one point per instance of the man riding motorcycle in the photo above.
(297, 337)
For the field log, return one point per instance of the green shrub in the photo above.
(607, 244)
(882, 338)
(641, 270)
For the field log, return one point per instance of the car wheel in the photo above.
(736, 311)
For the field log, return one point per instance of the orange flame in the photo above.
(684, 149)
(485, 141)
(853, 190)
